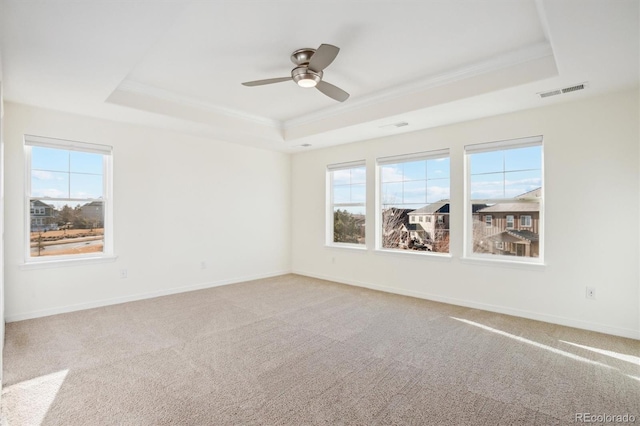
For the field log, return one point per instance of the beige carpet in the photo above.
(294, 350)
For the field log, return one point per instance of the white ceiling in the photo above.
(179, 64)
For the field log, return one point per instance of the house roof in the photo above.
(511, 208)
(512, 235)
(39, 203)
(439, 207)
(93, 204)
(534, 193)
(525, 235)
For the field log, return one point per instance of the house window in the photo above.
(499, 245)
(505, 179)
(525, 221)
(347, 203)
(440, 219)
(68, 200)
(510, 221)
(413, 185)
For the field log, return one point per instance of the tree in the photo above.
(346, 227)
(392, 221)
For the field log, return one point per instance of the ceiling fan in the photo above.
(308, 71)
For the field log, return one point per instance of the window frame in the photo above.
(513, 221)
(468, 253)
(378, 220)
(331, 205)
(528, 223)
(106, 151)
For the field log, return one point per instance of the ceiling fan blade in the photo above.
(325, 54)
(332, 91)
(267, 81)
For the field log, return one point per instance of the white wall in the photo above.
(178, 201)
(1, 224)
(592, 210)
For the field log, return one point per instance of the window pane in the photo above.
(391, 173)
(523, 158)
(518, 183)
(358, 193)
(349, 193)
(415, 192)
(341, 194)
(415, 205)
(392, 193)
(438, 169)
(358, 175)
(63, 219)
(415, 170)
(349, 225)
(341, 177)
(487, 162)
(487, 186)
(510, 227)
(59, 229)
(438, 190)
(85, 162)
(86, 186)
(49, 184)
(50, 159)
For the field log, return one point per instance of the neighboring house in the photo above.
(93, 213)
(429, 224)
(510, 229)
(42, 216)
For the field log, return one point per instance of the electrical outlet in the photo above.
(123, 273)
(591, 293)
(333, 260)
(203, 265)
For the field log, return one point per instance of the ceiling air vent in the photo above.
(564, 90)
(398, 124)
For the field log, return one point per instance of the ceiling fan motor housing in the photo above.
(302, 56)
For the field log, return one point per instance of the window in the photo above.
(68, 200)
(525, 221)
(505, 179)
(347, 203)
(510, 221)
(413, 185)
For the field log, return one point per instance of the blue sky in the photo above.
(493, 175)
(57, 173)
(505, 174)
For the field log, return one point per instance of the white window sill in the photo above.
(414, 253)
(357, 247)
(62, 263)
(502, 262)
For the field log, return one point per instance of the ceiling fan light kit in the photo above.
(306, 77)
(308, 71)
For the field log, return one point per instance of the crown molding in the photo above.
(134, 87)
(530, 53)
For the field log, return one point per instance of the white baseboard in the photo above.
(553, 319)
(134, 297)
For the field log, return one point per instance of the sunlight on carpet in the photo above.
(531, 342)
(30, 400)
(623, 357)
